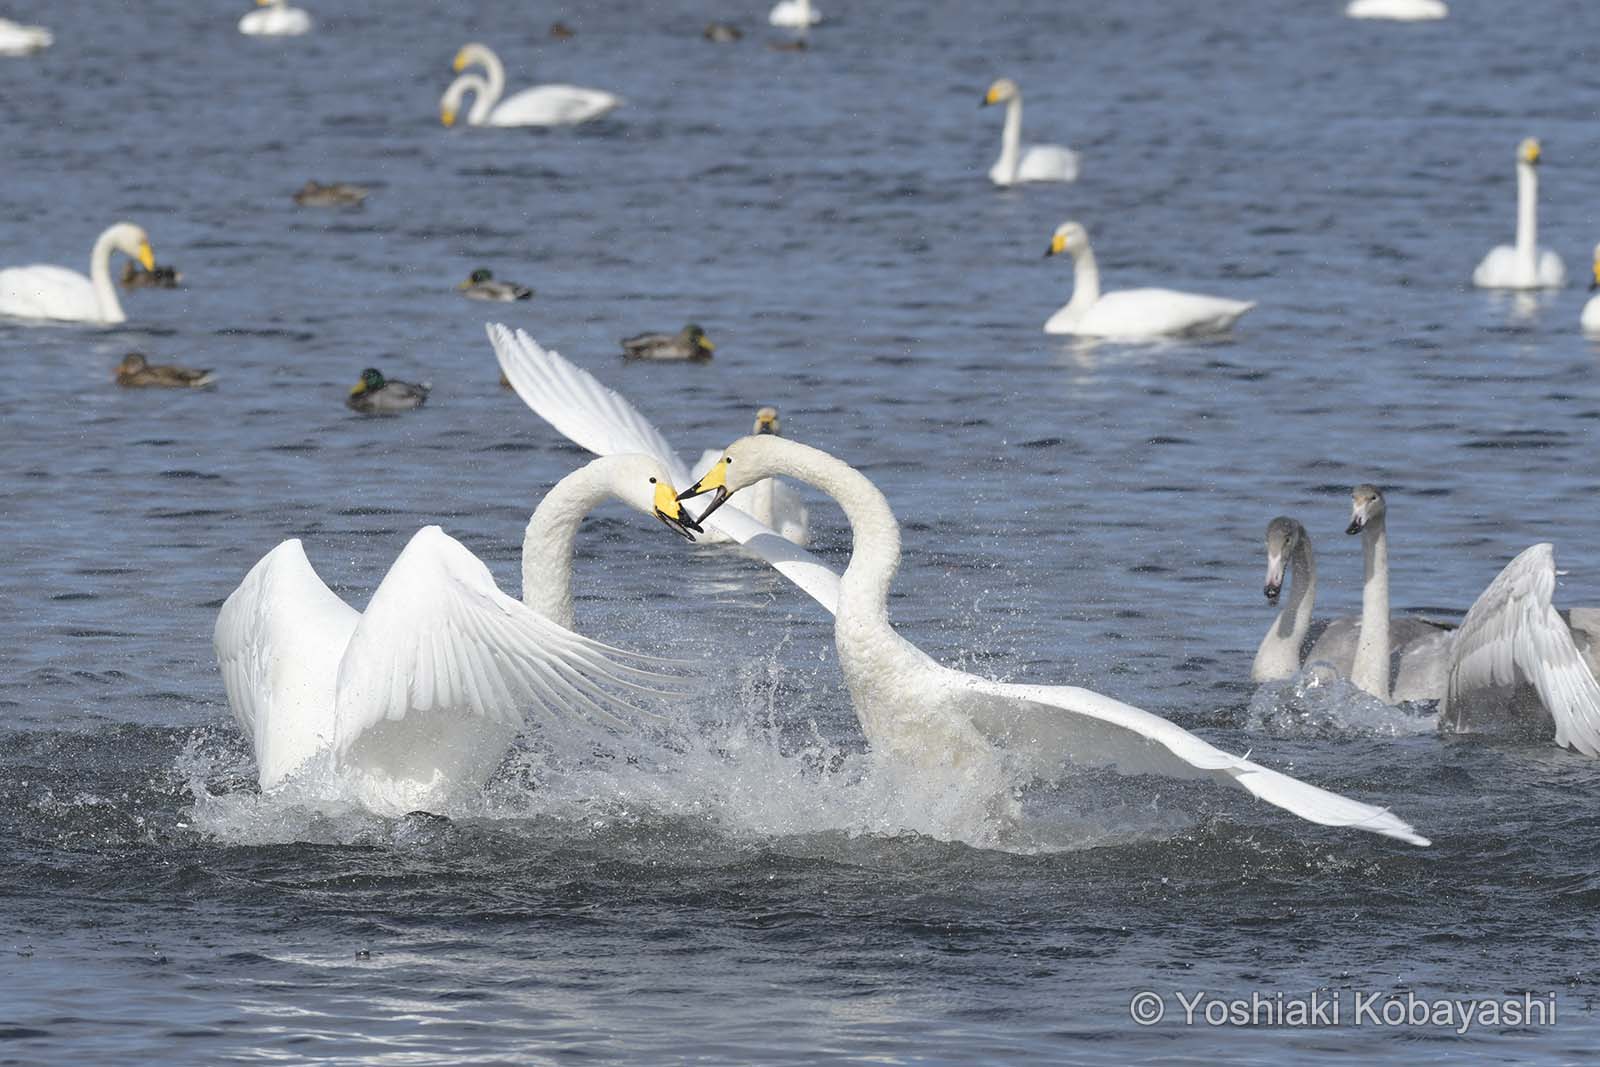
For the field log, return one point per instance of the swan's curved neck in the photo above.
(1527, 218)
(1370, 671)
(547, 544)
(496, 77)
(1279, 654)
(1085, 280)
(1011, 138)
(105, 294)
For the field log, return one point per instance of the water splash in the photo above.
(1318, 703)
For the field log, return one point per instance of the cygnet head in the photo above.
(1528, 151)
(1366, 507)
(641, 482)
(745, 462)
(1002, 91)
(767, 422)
(131, 240)
(1069, 237)
(1283, 537)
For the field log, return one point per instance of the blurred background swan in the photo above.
(542, 105)
(42, 291)
(19, 40)
(275, 18)
(1523, 265)
(1025, 163)
(794, 15)
(1590, 319)
(1397, 10)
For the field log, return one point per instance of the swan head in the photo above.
(1002, 91)
(470, 54)
(745, 462)
(1283, 537)
(1366, 507)
(1070, 237)
(1528, 151)
(767, 422)
(132, 241)
(450, 102)
(642, 483)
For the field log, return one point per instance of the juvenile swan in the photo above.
(543, 105)
(925, 714)
(1288, 644)
(1025, 163)
(1525, 265)
(1131, 314)
(47, 292)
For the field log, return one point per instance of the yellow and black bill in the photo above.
(714, 481)
(674, 515)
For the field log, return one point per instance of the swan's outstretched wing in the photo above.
(1513, 629)
(603, 421)
(278, 641)
(443, 669)
(1051, 725)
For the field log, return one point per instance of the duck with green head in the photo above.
(376, 395)
(689, 343)
(481, 284)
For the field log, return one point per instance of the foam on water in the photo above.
(1318, 703)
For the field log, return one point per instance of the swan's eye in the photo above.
(652, 481)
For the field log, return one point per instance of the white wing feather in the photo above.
(1055, 724)
(603, 421)
(278, 641)
(1513, 632)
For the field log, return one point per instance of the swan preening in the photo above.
(1590, 319)
(604, 422)
(274, 18)
(1523, 265)
(1025, 163)
(920, 712)
(41, 291)
(794, 15)
(19, 40)
(1397, 10)
(1131, 314)
(543, 105)
(417, 699)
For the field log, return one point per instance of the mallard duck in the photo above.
(722, 33)
(560, 31)
(376, 395)
(336, 194)
(688, 343)
(136, 277)
(135, 372)
(481, 285)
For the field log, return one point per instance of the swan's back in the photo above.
(275, 21)
(1397, 10)
(1501, 270)
(553, 105)
(43, 291)
(1047, 163)
(1147, 312)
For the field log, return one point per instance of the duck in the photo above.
(45, 292)
(159, 277)
(542, 105)
(1590, 318)
(1131, 314)
(19, 40)
(560, 31)
(481, 285)
(1524, 265)
(721, 33)
(275, 18)
(136, 372)
(794, 15)
(1019, 162)
(689, 343)
(335, 194)
(376, 395)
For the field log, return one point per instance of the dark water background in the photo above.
(752, 890)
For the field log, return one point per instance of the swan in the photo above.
(1131, 314)
(1517, 661)
(1525, 265)
(45, 292)
(1398, 10)
(19, 40)
(926, 714)
(1025, 163)
(1590, 319)
(770, 524)
(274, 18)
(794, 15)
(418, 698)
(1294, 637)
(543, 105)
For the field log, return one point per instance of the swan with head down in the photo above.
(542, 105)
(1019, 162)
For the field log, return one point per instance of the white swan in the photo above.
(1519, 663)
(274, 18)
(1131, 314)
(1025, 163)
(1294, 635)
(604, 422)
(1590, 319)
(794, 15)
(419, 697)
(926, 714)
(543, 105)
(1397, 10)
(41, 291)
(19, 40)
(1525, 265)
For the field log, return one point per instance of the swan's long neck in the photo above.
(547, 545)
(1370, 671)
(1011, 138)
(1279, 654)
(105, 294)
(805, 12)
(1527, 218)
(486, 101)
(1085, 281)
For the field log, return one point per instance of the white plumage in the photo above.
(542, 105)
(43, 291)
(1523, 265)
(274, 18)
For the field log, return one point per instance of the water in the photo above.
(746, 885)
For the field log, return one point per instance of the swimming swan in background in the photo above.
(1518, 662)
(543, 105)
(1293, 638)
(601, 420)
(419, 697)
(1590, 319)
(1525, 265)
(1025, 163)
(1398, 10)
(46, 292)
(19, 40)
(925, 714)
(1131, 314)
(794, 15)
(274, 18)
